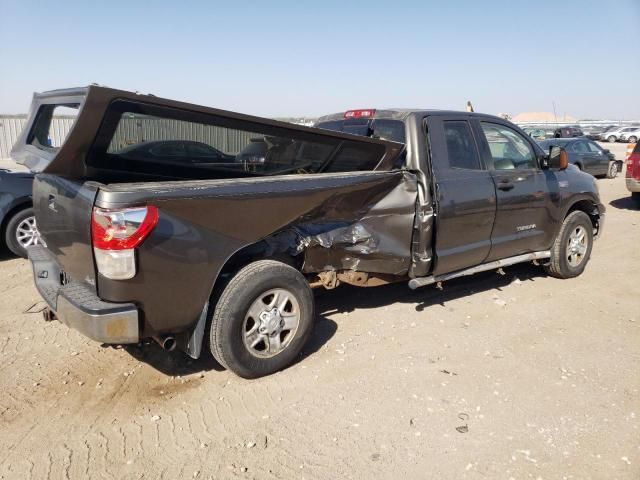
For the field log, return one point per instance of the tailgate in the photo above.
(63, 215)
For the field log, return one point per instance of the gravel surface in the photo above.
(497, 376)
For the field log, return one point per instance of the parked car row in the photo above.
(621, 134)
(603, 133)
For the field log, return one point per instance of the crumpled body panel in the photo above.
(376, 239)
(359, 221)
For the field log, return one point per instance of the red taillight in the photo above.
(366, 113)
(121, 229)
(633, 166)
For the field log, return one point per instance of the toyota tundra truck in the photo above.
(207, 230)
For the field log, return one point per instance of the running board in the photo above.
(505, 262)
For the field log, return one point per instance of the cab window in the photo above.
(509, 149)
(461, 148)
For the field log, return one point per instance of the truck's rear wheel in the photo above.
(262, 319)
(572, 248)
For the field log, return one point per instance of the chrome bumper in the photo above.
(78, 307)
(633, 185)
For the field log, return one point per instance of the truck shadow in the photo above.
(345, 299)
(625, 203)
(177, 363)
(174, 363)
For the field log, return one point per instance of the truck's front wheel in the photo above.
(572, 248)
(262, 319)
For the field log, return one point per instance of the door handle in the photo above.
(505, 185)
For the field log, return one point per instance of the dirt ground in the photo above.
(497, 376)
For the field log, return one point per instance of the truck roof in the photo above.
(403, 113)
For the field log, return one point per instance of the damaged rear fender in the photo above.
(373, 237)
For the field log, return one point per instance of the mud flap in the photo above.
(191, 342)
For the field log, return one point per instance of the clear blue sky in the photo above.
(284, 58)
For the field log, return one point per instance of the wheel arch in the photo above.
(589, 207)
(270, 248)
(273, 247)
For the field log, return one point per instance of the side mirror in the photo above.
(558, 158)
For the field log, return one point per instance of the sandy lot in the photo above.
(497, 376)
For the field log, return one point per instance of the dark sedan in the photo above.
(17, 222)
(586, 155)
(176, 151)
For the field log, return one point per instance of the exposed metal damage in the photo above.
(369, 232)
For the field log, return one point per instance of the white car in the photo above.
(613, 136)
(630, 137)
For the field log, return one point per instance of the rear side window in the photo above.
(579, 147)
(151, 139)
(461, 148)
(381, 128)
(52, 125)
(593, 147)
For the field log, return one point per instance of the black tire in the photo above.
(559, 265)
(613, 170)
(635, 196)
(230, 319)
(11, 232)
(632, 139)
(579, 165)
(612, 139)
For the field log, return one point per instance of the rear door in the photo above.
(583, 156)
(523, 212)
(465, 194)
(598, 157)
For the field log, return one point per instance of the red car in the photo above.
(633, 173)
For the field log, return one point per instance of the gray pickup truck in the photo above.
(207, 230)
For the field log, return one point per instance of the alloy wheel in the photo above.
(271, 323)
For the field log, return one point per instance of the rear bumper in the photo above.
(75, 305)
(633, 185)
